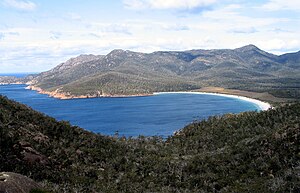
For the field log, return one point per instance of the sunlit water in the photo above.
(131, 116)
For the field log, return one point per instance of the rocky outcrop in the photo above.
(30, 155)
(16, 183)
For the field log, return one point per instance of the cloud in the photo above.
(177, 27)
(18, 58)
(13, 33)
(134, 4)
(7, 34)
(232, 19)
(74, 16)
(280, 30)
(99, 28)
(20, 5)
(117, 28)
(94, 35)
(249, 30)
(275, 5)
(279, 44)
(168, 4)
(55, 35)
(2, 36)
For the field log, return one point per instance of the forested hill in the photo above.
(125, 72)
(248, 152)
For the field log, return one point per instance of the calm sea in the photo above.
(132, 116)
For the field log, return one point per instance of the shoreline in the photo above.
(14, 83)
(65, 96)
(262, 105)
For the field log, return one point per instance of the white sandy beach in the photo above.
(262, 105)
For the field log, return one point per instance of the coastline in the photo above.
(64, 96)
(16, 83)
(262, 105)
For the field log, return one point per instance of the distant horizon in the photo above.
(25, 72)
(17, 73)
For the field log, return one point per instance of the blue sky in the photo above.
(36, 35)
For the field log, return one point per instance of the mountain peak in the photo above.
(116, 51)
(75, 61)
(119, 53)
(247, 48)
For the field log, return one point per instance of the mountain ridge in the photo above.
(133, 73)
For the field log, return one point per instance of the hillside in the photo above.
(248, 152)
(128, 73)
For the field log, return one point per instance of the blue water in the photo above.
(132, 116)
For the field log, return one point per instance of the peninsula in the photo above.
(247, 71)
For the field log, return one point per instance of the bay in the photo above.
(130, 116)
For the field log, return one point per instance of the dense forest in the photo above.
(247, 152)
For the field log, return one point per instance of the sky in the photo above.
(37, 35)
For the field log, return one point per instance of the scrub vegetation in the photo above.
(247, 152)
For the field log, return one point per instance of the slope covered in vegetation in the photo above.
(123, 72)
(248, 152)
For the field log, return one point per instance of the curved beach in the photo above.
(262, 105)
